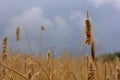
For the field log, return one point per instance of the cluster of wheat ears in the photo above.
(16, 66)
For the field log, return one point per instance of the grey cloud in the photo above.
(63, 21)
(57, 32)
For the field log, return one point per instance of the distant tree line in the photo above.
(109, 56)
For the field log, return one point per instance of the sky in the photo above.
(64, 24)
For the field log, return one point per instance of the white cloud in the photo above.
(62, 27)
(32, 18)
(29, 16)
(115, 3)
(78, 18)
(100, 2)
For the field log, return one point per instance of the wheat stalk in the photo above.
(35, 75)
(50, 65)
(35, 62)
(30, 64)
(27, 36)
(14, 71)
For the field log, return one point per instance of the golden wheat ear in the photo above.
(88, 30)
(117, 73)
(92, 74)
(11, 77)
(4, 48)
(18, 34)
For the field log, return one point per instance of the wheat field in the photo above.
(65, 67)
